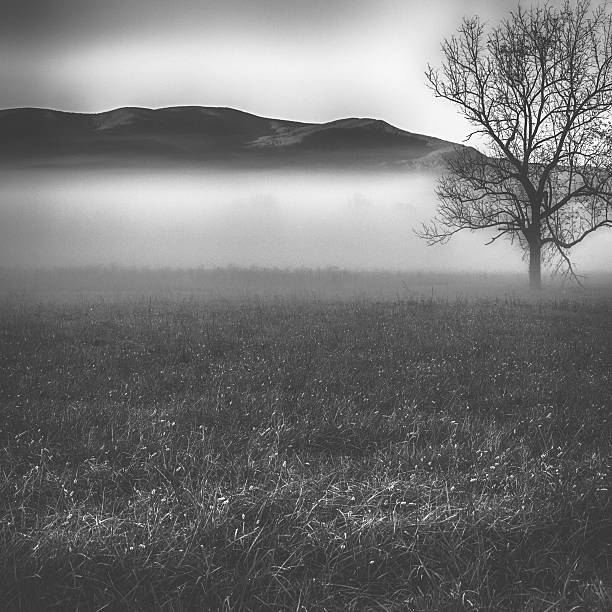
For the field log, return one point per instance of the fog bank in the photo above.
(190, 218)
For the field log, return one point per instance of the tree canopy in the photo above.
(537, 88)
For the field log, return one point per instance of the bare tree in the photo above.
(538, 90)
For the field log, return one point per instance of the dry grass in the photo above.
(414, 454)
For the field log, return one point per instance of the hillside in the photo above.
(187, 135)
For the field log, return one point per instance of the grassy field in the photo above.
(306, 454)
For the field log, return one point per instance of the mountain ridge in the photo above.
(207, 135)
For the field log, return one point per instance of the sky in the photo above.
(307, 60)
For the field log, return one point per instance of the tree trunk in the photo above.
(534, 239)
(535, 264)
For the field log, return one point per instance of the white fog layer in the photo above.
(247, 218)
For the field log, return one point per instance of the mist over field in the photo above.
(233, 376)
(191, 217)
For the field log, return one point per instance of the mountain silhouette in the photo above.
(207, 135)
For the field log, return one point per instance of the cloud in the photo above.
(64, 21)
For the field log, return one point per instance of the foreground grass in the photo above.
(302, 455)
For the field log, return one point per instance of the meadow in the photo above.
(397, 449)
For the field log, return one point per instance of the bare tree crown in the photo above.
(538, 90)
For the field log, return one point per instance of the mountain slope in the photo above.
(205, 135)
